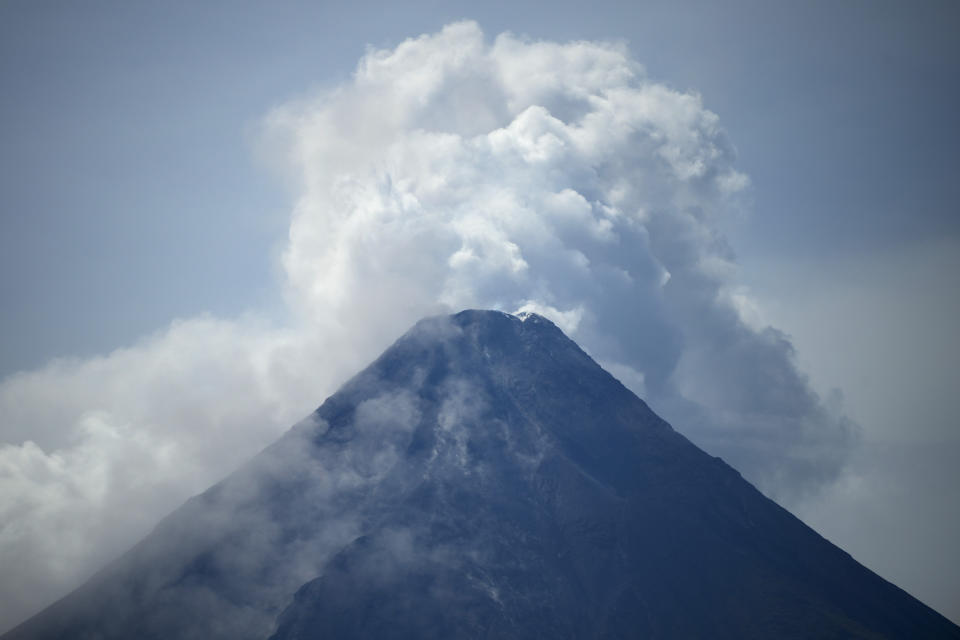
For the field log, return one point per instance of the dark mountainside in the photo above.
(484, 478)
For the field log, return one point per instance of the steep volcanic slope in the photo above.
(484, 478)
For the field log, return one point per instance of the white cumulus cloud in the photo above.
(451, 172)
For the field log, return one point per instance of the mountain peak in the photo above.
(486, 325)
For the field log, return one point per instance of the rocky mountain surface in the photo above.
(484, 478)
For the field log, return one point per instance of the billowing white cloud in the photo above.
(450, 172)
(555, 178)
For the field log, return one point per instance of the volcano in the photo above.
(484, 478)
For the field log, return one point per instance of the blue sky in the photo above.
(140, 184)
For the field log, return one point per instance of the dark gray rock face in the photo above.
(484, 478)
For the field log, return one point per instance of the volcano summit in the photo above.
(484, 478)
